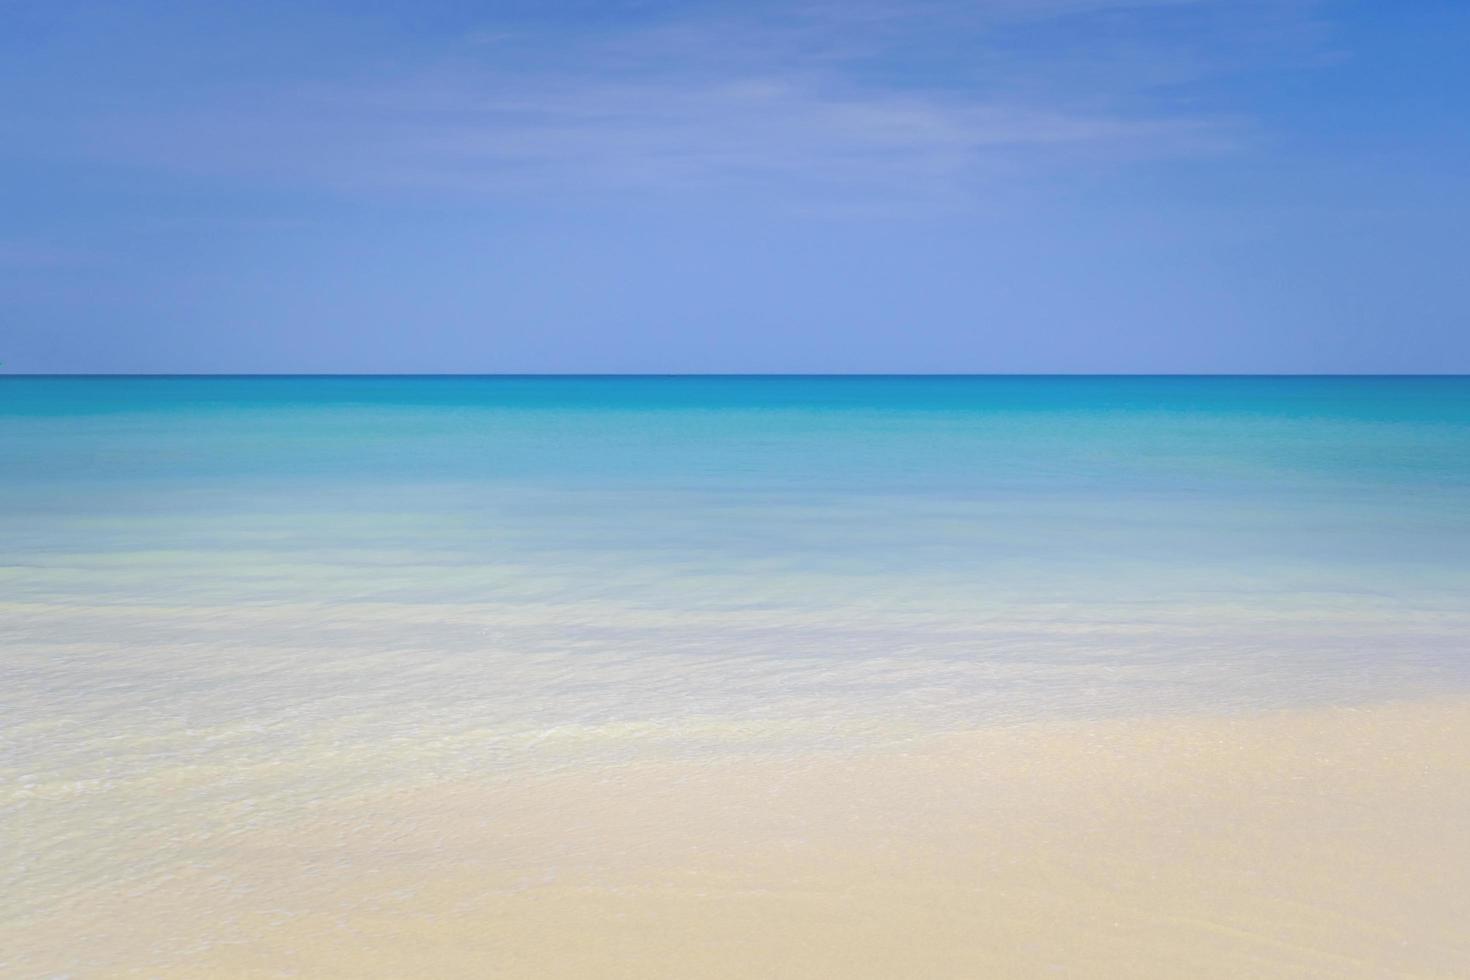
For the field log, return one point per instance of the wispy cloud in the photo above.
(731, 133)
(26, 256)
(905, 101)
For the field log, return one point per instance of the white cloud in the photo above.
(818, 99)
(21, 255)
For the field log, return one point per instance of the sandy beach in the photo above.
(1298, 844)
(734, 490)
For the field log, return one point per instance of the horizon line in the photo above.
(635, 375)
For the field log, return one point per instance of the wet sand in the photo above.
(1323, 843)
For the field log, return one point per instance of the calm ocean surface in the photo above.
(224, 600)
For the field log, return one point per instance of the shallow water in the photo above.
(225, 602)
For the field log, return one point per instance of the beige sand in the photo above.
(1333, 843)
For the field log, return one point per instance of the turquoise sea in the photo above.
(223, 600)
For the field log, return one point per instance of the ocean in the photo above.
(226, 603)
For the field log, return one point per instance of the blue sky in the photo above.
(711, 186)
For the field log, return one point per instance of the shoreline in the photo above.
(1309, 842)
